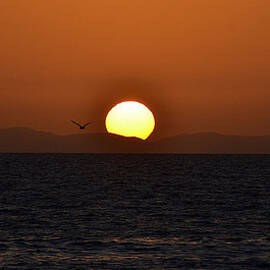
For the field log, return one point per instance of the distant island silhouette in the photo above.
(26, 140)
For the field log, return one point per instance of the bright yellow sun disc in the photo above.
(130, 119)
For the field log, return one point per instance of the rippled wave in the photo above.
(134, 211)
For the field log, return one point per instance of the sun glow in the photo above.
(130, 119)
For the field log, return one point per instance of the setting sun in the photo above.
(130, 119)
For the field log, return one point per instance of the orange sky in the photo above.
(200, 65)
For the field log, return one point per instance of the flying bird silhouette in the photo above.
(79, 125)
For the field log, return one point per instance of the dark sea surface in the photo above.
(95, 211)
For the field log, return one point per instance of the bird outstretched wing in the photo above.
(76, 123)
(85, 125)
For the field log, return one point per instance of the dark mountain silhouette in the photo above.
(214, 143)
(25, 140)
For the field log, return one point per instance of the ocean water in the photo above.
(95, 211)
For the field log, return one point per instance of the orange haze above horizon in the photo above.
(199, 65)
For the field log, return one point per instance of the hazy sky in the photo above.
(201, 65)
